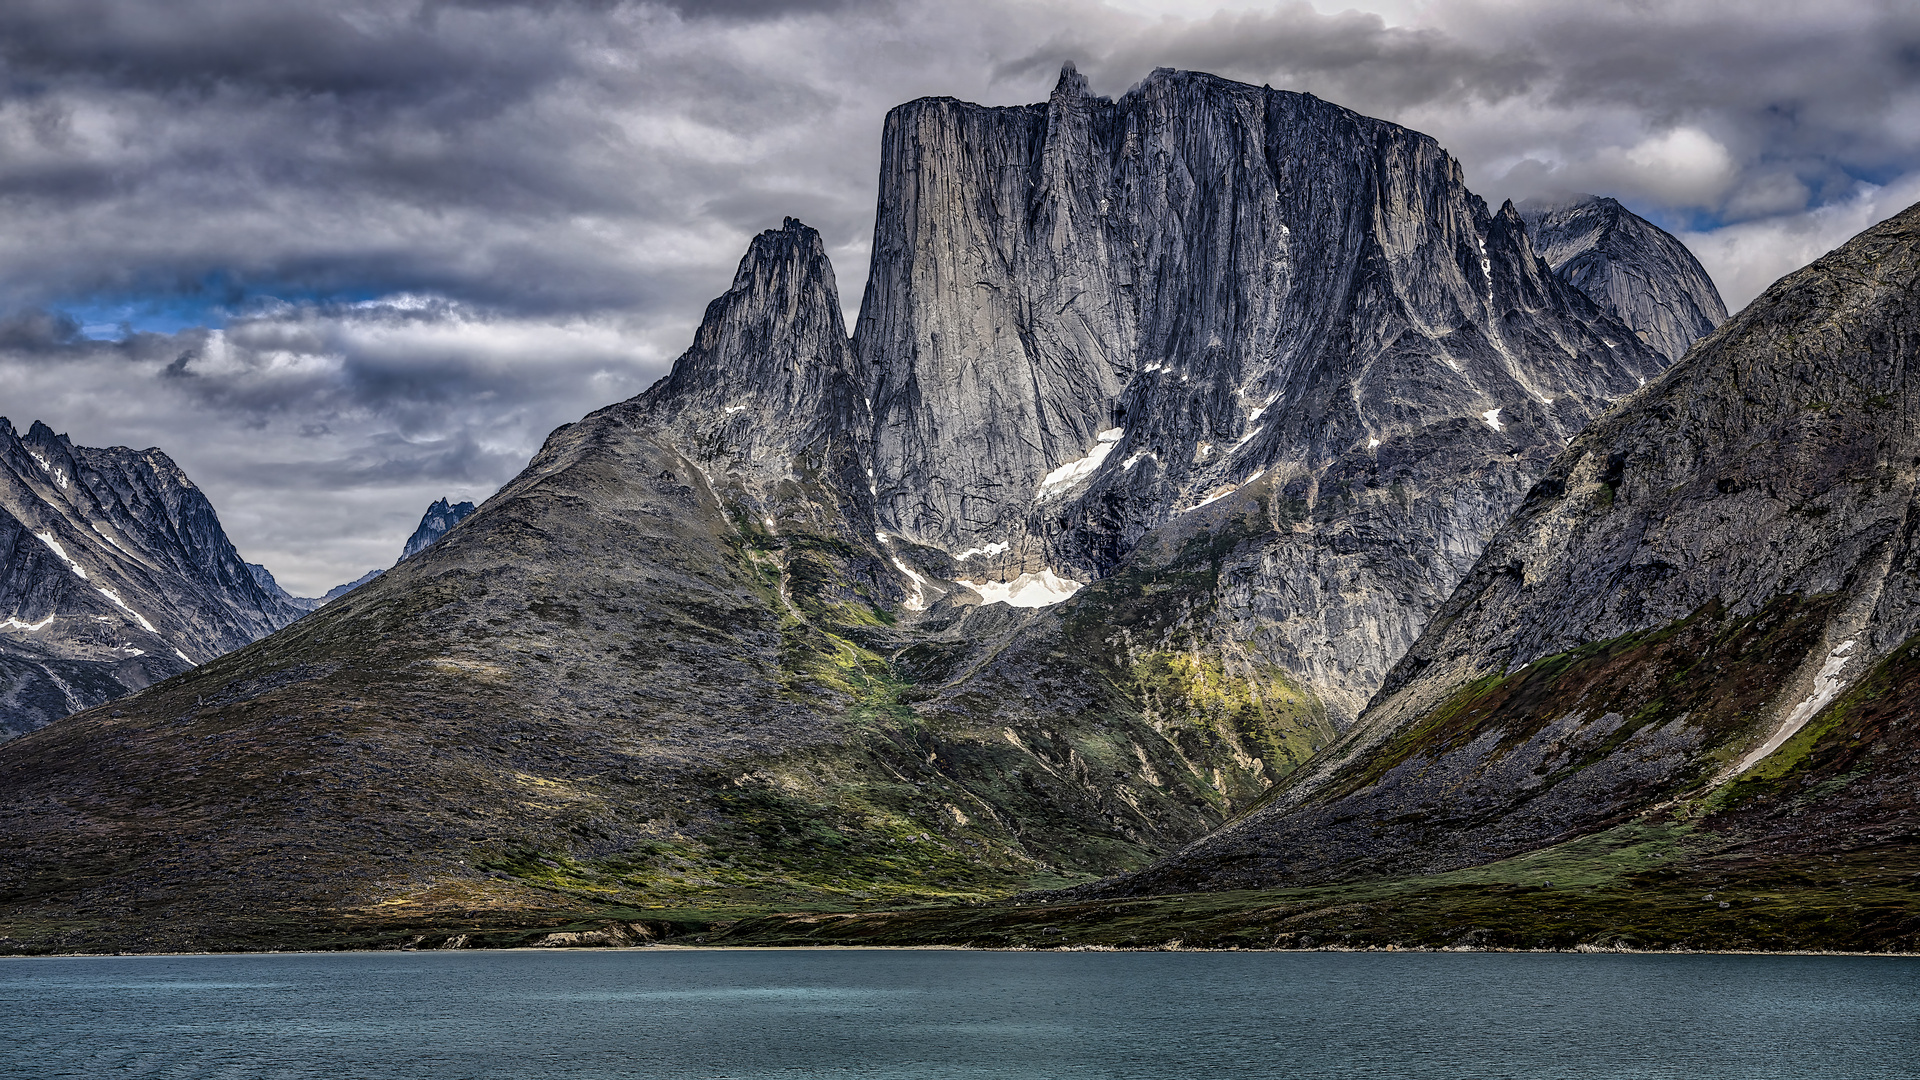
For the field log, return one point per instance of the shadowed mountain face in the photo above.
(1220, 389)
(1708, 607)
(1632, 268)
(117, 574)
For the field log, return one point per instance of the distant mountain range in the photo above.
(1209, 456)
(118, 574)
(434, 524)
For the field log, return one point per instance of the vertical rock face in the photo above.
(1708, 602)
(434, 524)
(116, 573)
(1632, 268)
(1087, 317)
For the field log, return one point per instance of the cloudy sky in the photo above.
(342, 258)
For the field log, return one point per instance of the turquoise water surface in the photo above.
(936, 1014)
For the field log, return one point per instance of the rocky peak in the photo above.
(1633, 269)
(440, 517)
(770, 377)
(117, 572)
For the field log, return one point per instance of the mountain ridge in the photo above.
(117, 574)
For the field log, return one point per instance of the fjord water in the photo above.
(748, 1015)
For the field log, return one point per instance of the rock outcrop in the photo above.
(1635, 270)
(440, 517)
(1708, 604)
(117, 574)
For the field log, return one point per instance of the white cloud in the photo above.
(1747, 257)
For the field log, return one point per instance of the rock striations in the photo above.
(117, 574)
(1635, 270)
(1707, 607)
(1167, 424)
(1087, 318)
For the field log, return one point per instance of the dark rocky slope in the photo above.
(116, 574)
(1706, 610)
(1638, 272)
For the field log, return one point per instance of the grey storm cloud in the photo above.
(422, 233)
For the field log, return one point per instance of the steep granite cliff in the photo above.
(1088, 317)
(1707, 608)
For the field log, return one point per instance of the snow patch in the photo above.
(989, 551)
(1255, 414)
(183, 656)
(1371, 443)
(1826, 686)
(1217, 495)
(731, 409)
(1134, 459)
(1073, 471)
(1257, 474)
(1202, 450)
(54, 545)
(1245, 439)
(918, 601)
(14, 622)
(122, 605)
(1043, 589)
(1492, 417)
(42, 462)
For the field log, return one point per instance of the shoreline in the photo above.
(673, 947)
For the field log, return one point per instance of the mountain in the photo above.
(439, 517)
(1167, 423)
(264, 578)
(1087, 318)
(339, 591)
(1636, 271)
(117, 574)
(1703, 619)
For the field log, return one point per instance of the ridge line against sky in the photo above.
(341, 260)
